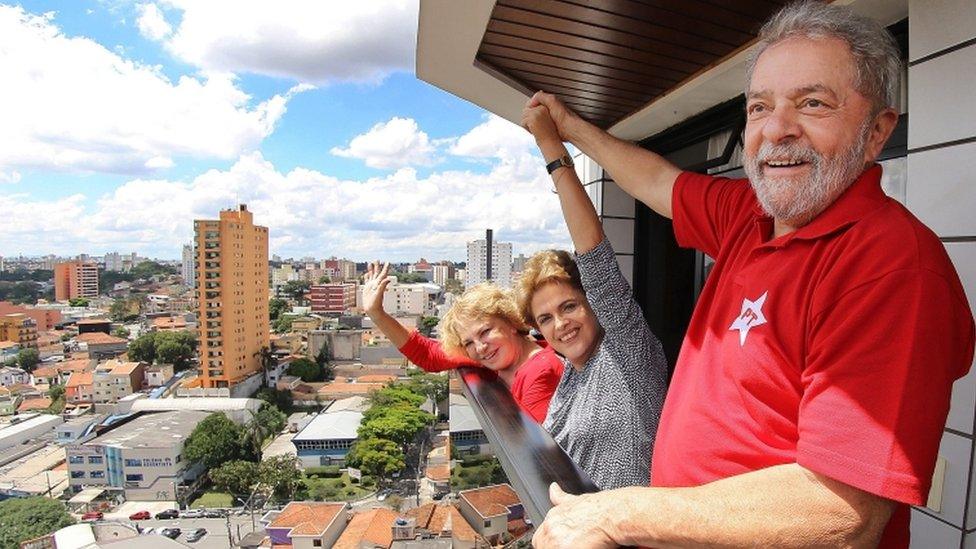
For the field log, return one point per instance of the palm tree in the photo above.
(269, 361)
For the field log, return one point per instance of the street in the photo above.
(217, 529)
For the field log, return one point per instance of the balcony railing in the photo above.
(528, 454)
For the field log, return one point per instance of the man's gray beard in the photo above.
(796, 201)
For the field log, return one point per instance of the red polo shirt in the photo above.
(834, 346)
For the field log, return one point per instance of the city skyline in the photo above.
(127, 121)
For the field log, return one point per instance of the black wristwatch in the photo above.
(563, 161)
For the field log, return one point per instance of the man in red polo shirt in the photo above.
(814, 380)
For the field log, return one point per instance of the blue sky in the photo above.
(124, 121)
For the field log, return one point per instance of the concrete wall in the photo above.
(942, 193)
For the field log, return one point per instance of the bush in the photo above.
(327, 471)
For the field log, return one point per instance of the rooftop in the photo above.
(152, 430)
(374, 527)
(200, 404)
(491, 501)
(462, 416)
(306, 518)
(34, 404)
(353, 404)
(79, 379)
(99, 338)
(340, 425)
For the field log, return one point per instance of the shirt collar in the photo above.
(860, 198)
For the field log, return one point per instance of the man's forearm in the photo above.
(782, 506)
(643, 174)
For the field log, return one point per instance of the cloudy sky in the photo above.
(124, 121)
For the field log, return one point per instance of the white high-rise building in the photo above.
(113, 261)
(489, 260)
(189, 270)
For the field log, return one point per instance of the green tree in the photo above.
(296, 289)
(399, 424)
(283, 324)
(432, 386)
(143, 348)
(22, 519)
(454, 286)
(324, 279)
(176, 348)
(306, 369)
(269, 361)
(378, 457)
(237, 477)
(395, 395)
(276, 307)
(215, 440)
(19, 292)
(122, 332)
(125, 310)
(56, 394)
(148, 269)
(427, 325)
(323, 359)
(28, 359)
(280, 399)
(267, 421)
(281, 475)
(78, 302)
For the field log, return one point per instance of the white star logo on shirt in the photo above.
(750, 317)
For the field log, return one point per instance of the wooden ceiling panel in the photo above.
(610, 58)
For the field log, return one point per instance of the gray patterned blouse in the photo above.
(605, 416)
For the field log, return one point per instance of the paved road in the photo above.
(216, 537)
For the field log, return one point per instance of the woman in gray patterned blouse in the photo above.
(606, 408)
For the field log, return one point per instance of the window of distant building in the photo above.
(133, 478)
(95, 460)
(76, 460)
(97, 474)
(77, 474)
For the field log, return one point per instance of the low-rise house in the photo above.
(158, 374)
(307, 524)
(327, 438)
(34, 404)
(13, 376)
(8, 402)
(495, 512)
(68, 367)
(101, 346)
(371, 529)
(8, 350)
(435, 522)
(336, 390)
(92, 325)
(80, 388)
(115, 379)
(169, 324)
(288, 383)
(45, 375)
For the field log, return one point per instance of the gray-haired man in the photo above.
(814, 380)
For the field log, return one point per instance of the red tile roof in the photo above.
(439, 473)
(306, 518)
(79, 379)
(491, 501)
(374, 527)
(99, 338)
(31, 404)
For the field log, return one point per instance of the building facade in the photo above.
(75, 279)
(489, 260)
(232, 283)
(142, 457)
(334, 298)
(20, 329)
(188, 266)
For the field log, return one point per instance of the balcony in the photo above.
(530, 457)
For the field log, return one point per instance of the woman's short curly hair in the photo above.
(478, 302)
(542, 268)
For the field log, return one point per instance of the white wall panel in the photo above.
(941, 101)
(957, 451)
(941, 187)
(939, 24)
(620, 232)
(616, 202)
(961, 413)
(929, 533)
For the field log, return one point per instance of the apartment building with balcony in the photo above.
(20, 329)
(74, 279)
(334, 298)
(232, 287)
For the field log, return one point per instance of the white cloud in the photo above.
(495, 138)
(397, 143)
(306, 40)
(71, 104)
(399, 216)
(151, 22)
(10, 177)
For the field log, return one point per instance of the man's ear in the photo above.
(881, 128)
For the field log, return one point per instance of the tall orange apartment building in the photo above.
(232, 285)
(75, 279)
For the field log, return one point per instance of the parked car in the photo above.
(196, 535)
(141, 515)
(167, 514)
(215, 513)
(383, 495)
(192, 513)
(148, 531)
(92, 515)
(171, 533)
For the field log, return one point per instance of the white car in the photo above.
(192, 513)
